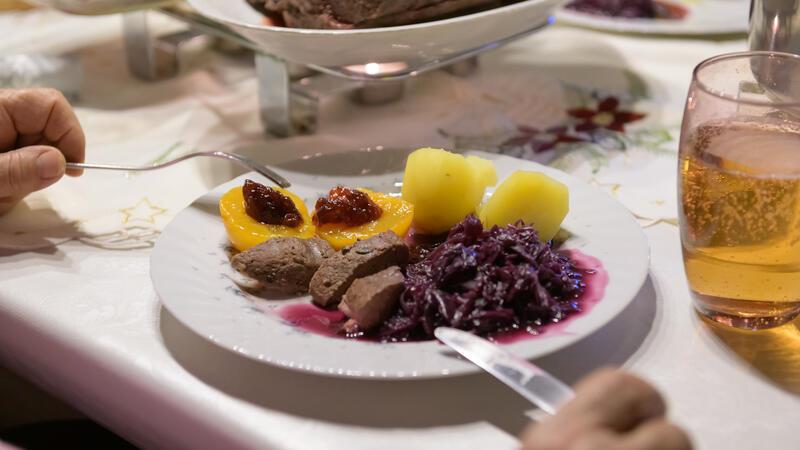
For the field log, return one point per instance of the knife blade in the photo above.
(533, 383)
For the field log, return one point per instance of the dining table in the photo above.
(80, 318)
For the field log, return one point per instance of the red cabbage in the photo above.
(628, 9)
(485, 281)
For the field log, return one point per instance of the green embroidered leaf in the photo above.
(637, 87)
(654, 140)
(570, 157)
(166, 154)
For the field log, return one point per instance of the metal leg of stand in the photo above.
(379, 92)
(152, 57)
(464, 68)
(286, 109)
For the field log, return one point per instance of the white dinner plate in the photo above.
(192, 275)
(413, 44)
(705, 17)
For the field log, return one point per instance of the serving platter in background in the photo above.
(703, 17)
(413, 45)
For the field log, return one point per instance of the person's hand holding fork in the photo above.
(39, 133)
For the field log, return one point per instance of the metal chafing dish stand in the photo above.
(289, 93)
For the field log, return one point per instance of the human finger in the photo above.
(613, 399)
(40, 117)
(657, 435)
(27, 170)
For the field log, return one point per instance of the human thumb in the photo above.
(29, 169)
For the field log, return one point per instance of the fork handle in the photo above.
(238, 159)
(108, 167)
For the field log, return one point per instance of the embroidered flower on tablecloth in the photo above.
(595, 135)
(607, 115)
(541, 140)
(602, 126)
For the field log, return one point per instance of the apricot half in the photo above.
(396, 216)
(245, 232)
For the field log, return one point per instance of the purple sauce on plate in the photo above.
(311, 318)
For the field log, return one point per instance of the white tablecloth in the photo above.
(78, 314)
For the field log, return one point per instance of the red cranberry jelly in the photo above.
(347, 207)
(269, 206)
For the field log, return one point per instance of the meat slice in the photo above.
(362, 259)
(284, 264)
(344, 14)
(385, 13)
(371, 300)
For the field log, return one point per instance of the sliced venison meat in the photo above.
(371, 300)
(362, 259)
(346, 14)
(284, 264)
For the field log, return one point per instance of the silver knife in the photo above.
(533, 383)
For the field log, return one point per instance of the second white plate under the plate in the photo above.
(191, 273)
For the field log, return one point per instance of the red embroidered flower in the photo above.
(540, 140)
(606, 116)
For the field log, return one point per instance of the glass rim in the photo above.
(738, 55)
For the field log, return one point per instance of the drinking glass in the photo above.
(739, 189)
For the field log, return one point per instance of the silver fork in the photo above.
(238, 159)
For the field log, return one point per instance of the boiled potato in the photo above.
(532, 197)
(484, 171)
(444, 187)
